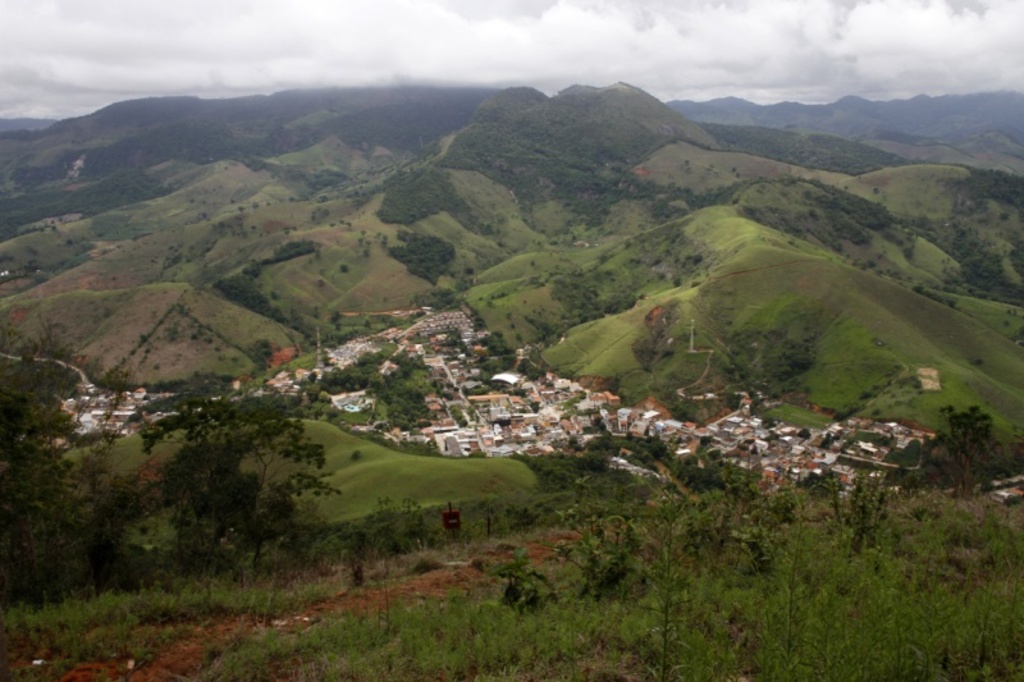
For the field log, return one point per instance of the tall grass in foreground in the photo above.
(728, 587)
(133, 625)
(935, 594)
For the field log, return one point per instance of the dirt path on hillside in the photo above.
(400, 312)
(707, 368)
(750, 270)
(189, 653)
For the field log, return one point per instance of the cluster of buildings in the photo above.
(447, 322)
(788, 454)
(97, 410)
(505, 414)
(472, 412)
(541, 417)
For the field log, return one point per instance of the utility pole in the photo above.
(691, 336)
(319, 355)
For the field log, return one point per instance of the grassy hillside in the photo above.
(705, 170)
(784, 317)
(545, 215)
(921, 587)
(366, 472)
(156, 332)
(379, 472)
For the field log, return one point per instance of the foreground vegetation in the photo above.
(205, 563)
(731, 585)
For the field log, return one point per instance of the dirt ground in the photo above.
(929, 379)
(185, 657)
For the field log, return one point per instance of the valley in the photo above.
(679, 373)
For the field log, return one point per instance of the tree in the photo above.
(967, 437)
(37, 509)
(656, 344)
(5, 665)
(232, 480)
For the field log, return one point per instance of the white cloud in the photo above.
(62, 57)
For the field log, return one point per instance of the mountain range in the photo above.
(815, 258)
(9, 124)
(984, 129)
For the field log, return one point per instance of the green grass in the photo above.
(381, 472)
(933, 260)
(1002, 318)
(600, 348)
(868, 335)
(798, 416)
(932, 591)
(910, 190)
(428, 481)
(495, 210)
(159, 332)
(702, 169)
(505, 308)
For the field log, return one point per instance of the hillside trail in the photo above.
(773, 266)
(398, 312)
(189, 652)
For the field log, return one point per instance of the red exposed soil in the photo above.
(185, 657)
(92, 672)
(17, 315)
(595, 383)
(641, 172)
(282, 356)
(652, 403)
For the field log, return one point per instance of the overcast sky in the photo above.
(60, 58)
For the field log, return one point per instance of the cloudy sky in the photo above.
(60, 58)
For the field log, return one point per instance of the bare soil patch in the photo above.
(929, 378)
(191, 651)
(283, 356)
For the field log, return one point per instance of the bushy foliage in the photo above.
(290, 250)
(415, 195)
(811, 209)
(232, 480)
(593, 294)
(811, 150)
(121, 188)
(577, 148)
(424, 255)
(243, 290)
(981, 185)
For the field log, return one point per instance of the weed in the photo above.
(526, 588)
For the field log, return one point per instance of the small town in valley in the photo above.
(506, 413)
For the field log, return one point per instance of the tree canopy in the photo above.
(967, 437)
(232, 481)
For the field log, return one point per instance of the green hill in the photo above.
(781, 316)
(366, 472)
(585, 222)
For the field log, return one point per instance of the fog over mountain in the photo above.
(65, 58)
